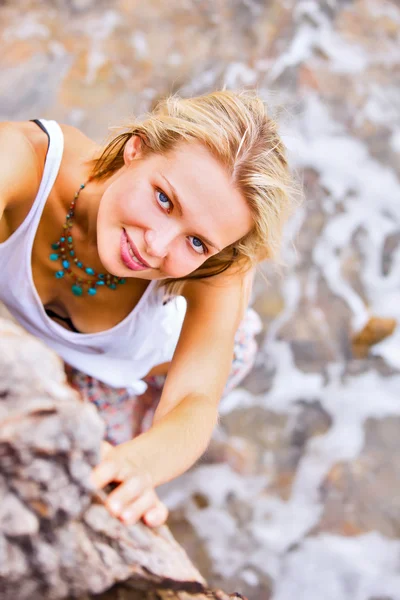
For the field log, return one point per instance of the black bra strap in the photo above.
(42, 127)
(50, 313)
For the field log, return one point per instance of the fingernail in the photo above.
(115, 507)
(153, 517)
(126, 516)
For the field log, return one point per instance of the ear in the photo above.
(132, 150)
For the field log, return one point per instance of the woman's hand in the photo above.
(106, 447)
(135, 497)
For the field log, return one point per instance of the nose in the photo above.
(157, 243)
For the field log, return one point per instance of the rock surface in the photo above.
(298, 499)
(57, 539)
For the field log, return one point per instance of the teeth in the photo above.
(136, 260)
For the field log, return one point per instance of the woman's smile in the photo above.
(130, 255)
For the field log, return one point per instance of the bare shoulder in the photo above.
(226, 295)
(79, 150)
(23, 150)
(77, 144)
(19, 166)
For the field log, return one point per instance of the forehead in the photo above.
(211, 202)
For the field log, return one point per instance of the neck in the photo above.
(87, 208)
(86, 212)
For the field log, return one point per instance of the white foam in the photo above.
(28, 26)
(337, 568)
(98, 29)
(395, 140)
(139, 43)
(370, 195)
(314, 33)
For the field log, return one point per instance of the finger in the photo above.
(106, 448)
(138, 508)
(157, 515)
(104, 473)
(125, 494)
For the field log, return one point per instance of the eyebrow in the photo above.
(175, 198)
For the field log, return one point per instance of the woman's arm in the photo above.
(188, 409)
(203, 357)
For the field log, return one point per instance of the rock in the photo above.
(56, 539)
(362, 495)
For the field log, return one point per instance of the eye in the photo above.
(164, 201)
(197, 245)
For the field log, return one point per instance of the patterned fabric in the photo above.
(126, 414)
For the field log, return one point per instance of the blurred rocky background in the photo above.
(298, 496)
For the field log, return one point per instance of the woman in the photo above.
(98, 249)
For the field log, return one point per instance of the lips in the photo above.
(130, 256)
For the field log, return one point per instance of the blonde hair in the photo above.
(236, 129)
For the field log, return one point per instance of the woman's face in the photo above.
(162, 216)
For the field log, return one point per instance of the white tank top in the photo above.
(120, 356)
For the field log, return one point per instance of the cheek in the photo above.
(182, 262)
(111, 207)
(137, 209)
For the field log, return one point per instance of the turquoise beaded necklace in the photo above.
(65, 253)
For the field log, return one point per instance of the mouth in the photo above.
(130, 255)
